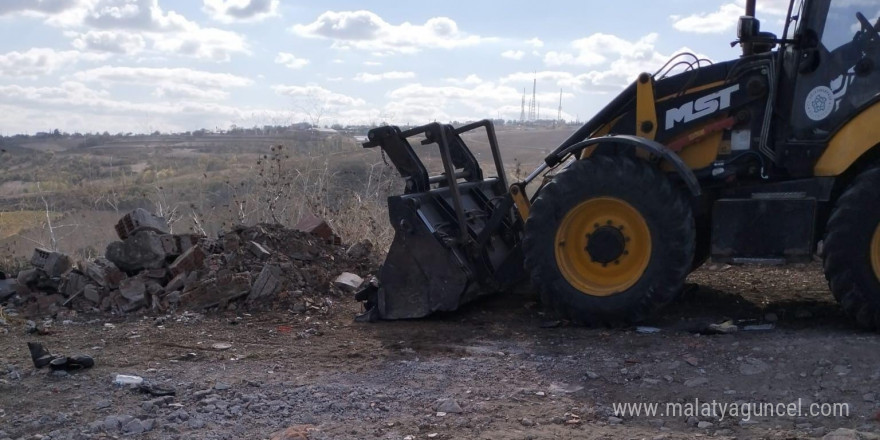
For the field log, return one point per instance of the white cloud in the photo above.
(364, 30)
(125, 26)
(290, 61)
(513, 54)
(372, 63)
(143, 15)
(40, 61)
(110, 41)
(317, 93)
(35, 6)
(616, 63)
(184, 91)
(204, 43)
(724, 19)
(593, 50)
(155, 75)
(230, 11)
(471, 79)
(72, 106)
(720, 21)
(366, 77)
(535, 42)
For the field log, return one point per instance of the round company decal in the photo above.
(820, 103)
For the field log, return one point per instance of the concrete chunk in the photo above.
(313, 225)
(189, 261)
(258, 250)
(348, 281)
(54, 264)
(73, 284)
(7, 288)
(90, 292)
(143, 250)
(133, 289)
(140, 220)
(267, 284)
(103, 272)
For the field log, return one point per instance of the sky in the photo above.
(145, 65)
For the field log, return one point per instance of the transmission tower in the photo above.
(559, 112)
(533, 103)
(522, 111)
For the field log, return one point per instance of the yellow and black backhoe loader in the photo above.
(753, 160)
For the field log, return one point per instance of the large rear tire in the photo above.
(852, 250)
(609, 241)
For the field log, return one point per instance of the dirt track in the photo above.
(511, 377)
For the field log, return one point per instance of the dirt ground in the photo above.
(511, 372)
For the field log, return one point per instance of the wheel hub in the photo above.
(606, 244)
(603, 246)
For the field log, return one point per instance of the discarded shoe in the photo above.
(40, 355)
(75, 363)
(42, 358)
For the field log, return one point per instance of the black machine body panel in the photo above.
(768, 228)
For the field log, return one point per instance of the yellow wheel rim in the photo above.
(603, 246)
(875, 252)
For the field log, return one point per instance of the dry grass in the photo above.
(13, 223)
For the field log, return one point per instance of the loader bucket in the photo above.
(456, 237)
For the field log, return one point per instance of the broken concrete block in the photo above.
(173, 297)
(176, 283)
(170, 244)
(187, 241)
(231, 242)
(133, 289)
(73, 284)
(54, 264)
(267, 283)
(140, 220)
(189, 261)
(27, 276)
(360, 250)
(313, 225)
(90, 292)
(348, 281)
(103, 272)
(8, 288)
(210, 293)
(143, 250)
(258, 250)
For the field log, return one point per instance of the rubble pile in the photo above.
(151, 270)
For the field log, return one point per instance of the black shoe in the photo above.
(40, 355)
(75, 363)
(59, 363)
(80, 362)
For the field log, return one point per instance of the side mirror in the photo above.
(747, 28)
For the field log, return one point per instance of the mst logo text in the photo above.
(700, 107)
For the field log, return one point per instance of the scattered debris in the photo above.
(221, 346)
(449, 406)
(126, 379)
(647, 330)
(758, 327)
(723, 328)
